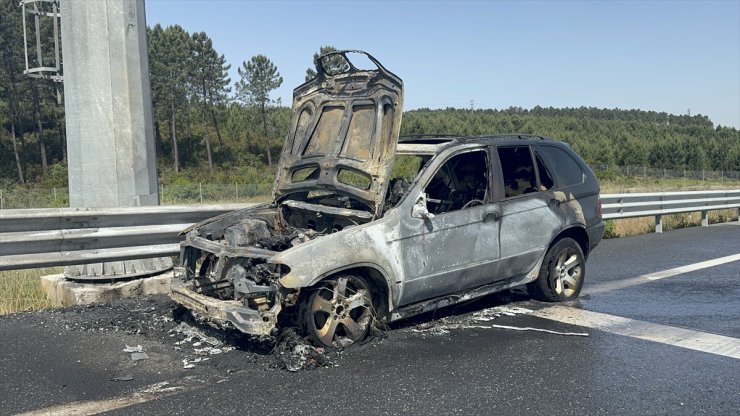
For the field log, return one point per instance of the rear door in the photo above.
(530, 217)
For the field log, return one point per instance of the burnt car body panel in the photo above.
(424, 264)
(477, 215)
(343, 133)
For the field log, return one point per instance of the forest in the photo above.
(209, 128)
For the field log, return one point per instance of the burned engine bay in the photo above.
(226, 257)
(334, 174)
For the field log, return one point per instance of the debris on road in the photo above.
(193, 336)
(141, 316)
(432, 328)
(212, 350)
(517, 328)
(203, 345)
(490, 314)
(294, 353)
(137, 348)
(187, 364)
(444, 325)
(137, 352)
(122, 378)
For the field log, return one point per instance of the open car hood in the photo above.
(343, 134)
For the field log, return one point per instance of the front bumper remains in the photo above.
(245, 319)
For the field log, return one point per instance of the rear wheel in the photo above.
(562, 273)
(338, 312)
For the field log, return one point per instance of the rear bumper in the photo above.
(595, 233)
(246, 320)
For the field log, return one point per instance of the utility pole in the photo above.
(108, 106)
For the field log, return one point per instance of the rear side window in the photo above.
(518, 170)
(563, 164)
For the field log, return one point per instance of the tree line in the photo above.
(208, 128)
(600, 136)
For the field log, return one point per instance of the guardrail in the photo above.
(67, 236)
(619, 206)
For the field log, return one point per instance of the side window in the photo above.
(566, 168)
(460, 183)
(546, 182)
(518, 170)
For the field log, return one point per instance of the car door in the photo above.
(458, 247)
(529, 214)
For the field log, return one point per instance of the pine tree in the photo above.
(169, 60)
(333, 64)
(11, 56)
(259, 76)
(210, 82)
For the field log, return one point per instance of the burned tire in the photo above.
(338, 312)
(562, 273)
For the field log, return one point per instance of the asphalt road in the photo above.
(661, 344)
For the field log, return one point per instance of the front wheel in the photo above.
(338, 312)
(562, 273)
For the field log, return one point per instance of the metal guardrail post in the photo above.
(658, 223)
(705, 218)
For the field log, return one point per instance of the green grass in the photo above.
(20, 290)
(642, 225)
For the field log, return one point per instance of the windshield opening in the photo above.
(405, 171)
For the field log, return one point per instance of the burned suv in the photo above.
(365, 227)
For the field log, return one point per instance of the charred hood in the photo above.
(344, 130)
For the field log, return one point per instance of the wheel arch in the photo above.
(375, 277)
(576, 233)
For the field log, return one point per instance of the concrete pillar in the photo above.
(110, 136)
(107, 100)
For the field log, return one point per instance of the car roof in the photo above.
(433, 144)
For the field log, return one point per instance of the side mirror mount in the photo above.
(419, 210)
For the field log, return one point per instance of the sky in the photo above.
(671, 56)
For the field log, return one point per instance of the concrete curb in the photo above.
(62, 292)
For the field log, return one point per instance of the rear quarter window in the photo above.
(518, 170)
(563, 165)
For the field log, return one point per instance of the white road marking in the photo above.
(664, 334)
(94, 407)
(633, 281)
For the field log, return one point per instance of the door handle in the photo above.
(491, 216)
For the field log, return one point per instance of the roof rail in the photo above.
(520, 136)
(427, 136)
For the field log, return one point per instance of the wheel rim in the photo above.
(340, 312)
(567, 272)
